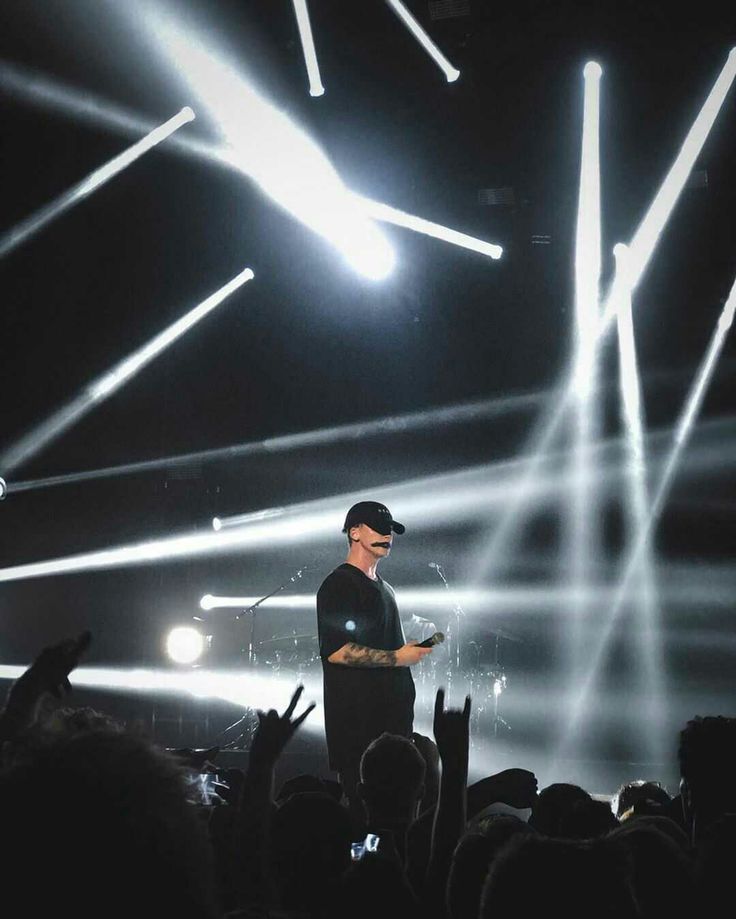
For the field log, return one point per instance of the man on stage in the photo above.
(368, 688)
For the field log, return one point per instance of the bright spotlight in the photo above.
(261, 141)
(49, 212)
(3, 489)
(55, 425)
(310, 54)
(451, 73)
(207, 602)
(184, 645)
(71, 101)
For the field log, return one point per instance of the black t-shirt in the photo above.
(361, 702)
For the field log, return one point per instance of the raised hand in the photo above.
(515, 787)
(452, 733)
(274, 731)
(49, 673)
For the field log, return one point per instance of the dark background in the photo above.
(309, 344)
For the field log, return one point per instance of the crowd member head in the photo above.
(100, 825)
(537, 876)
(311, 841)
(639, 795)
(661, 871)
(554, 805)
(707, 756)
(587, 820)
(472, 859)
(391, 784)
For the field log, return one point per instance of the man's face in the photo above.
(377, 544)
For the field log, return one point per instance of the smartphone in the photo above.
(369, 844)
(203, 788)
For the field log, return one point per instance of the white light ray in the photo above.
(682, 433)
(447, 499)
(55, 425)
(267, 145)
(49, 212)
(451, 73)
(392, 425)
(245, 689)
(682, 590)
(310, 54)
(581, 536)
(644, 241)
(648, 649)
(495, 548)
(401, 219)
(75, 102)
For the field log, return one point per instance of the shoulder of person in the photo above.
(341, 576)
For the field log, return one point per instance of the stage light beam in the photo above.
(265, 144)
(470, 495)
(451, 73)
(646, 601)
(581, 535)
(496, 546)
(645, 239)
(30, 444)
(683, 430)
(71, 101)
(387, 214)
(310, 54)
(39, 220)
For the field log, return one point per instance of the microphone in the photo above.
(433, 565)
(433, 640)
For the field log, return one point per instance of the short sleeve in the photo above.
(335, 602)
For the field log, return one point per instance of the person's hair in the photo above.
(391, 773)
(535, 876)
(553, 805)
(99, 822)
(707, 756)
(661, 871)
(631, 793)
(472, 859)
(310, 849)
(587, 820)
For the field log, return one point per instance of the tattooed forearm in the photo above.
(354, 655)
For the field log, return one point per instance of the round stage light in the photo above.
(3, 488)
(184, 645)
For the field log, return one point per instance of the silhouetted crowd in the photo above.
(99, 822)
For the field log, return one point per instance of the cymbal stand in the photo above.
(454, 629)
(253, 609)
(499, 684)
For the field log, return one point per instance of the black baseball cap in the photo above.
(376, 516)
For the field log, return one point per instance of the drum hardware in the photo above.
(253, 609)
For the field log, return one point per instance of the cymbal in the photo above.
(288, 638)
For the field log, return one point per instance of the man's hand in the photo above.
(50, 671)
(452, 733)
(515, 787)
(274, 731)
(410, 654)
